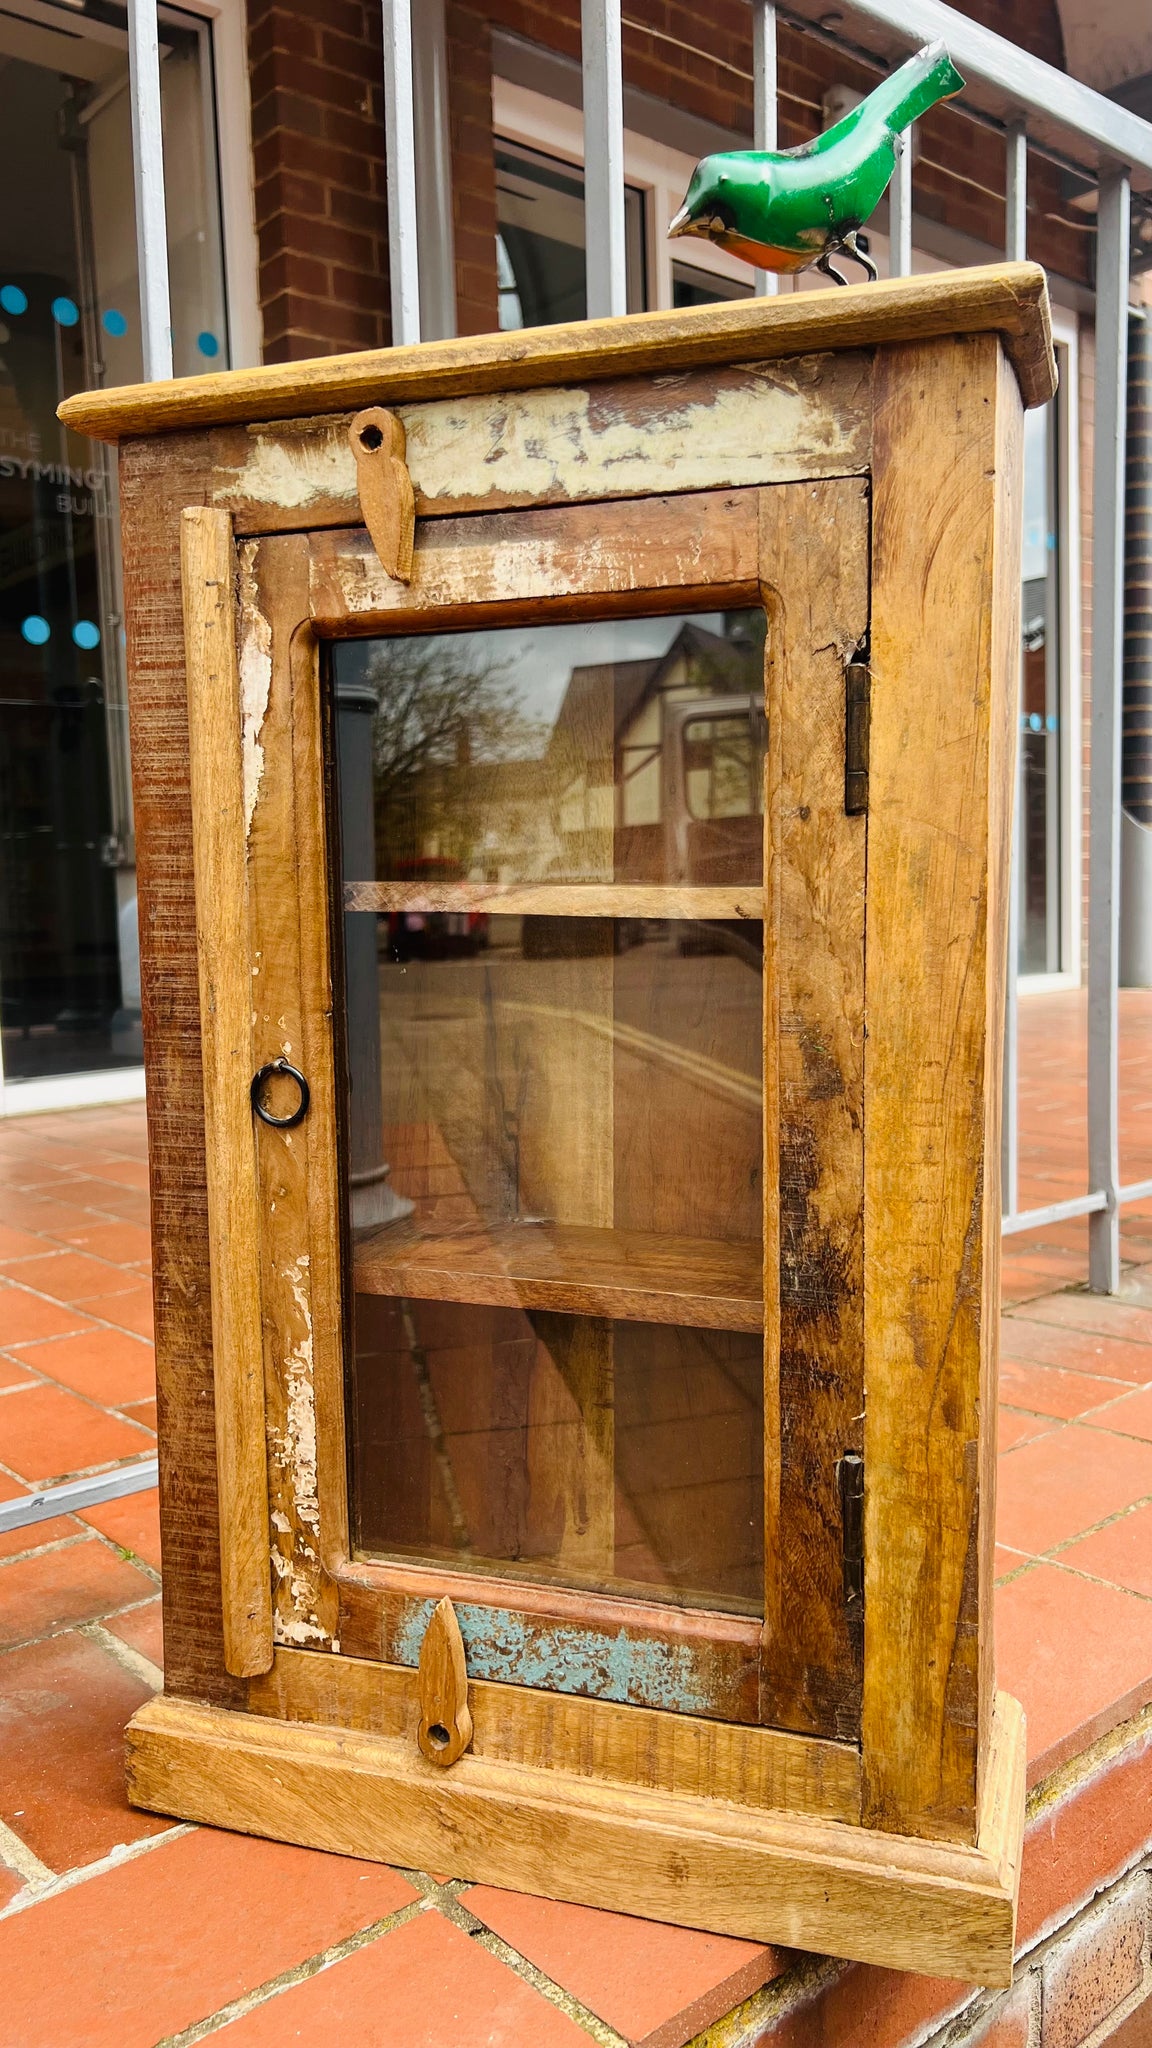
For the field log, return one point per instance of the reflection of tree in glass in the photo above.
(448, 724)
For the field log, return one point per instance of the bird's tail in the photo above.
(927, 77)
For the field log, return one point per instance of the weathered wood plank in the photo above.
(156, 483)
(1009, 299)
(220, 858)
(944, 686)
(815, 545)
(630, 1745)
(703, 546)
(696, 430)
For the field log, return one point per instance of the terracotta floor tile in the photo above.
(426, 1985)
(1013, 1428)
(125, 1244)
(34, 1535)
(1052, 1389)
(54, 1588)
(126, 1173)
(1061, 1484)
(657, 1985)
(11, 1882)
(63, 1706)
(1131, 1415)
(14, 1375)
(1097, 1314)
(142, 1628)
(133, 1522)
(1121, 1553)
(42, 1212)
(131, 1310)
(141, 1411)
(1112, 1358)
(168, 1938)
(107, 1204)
(1071, 1700)
(110, 1366)
(45, 1431)
(18, 1244)
(24, 1317)
(70, 1276)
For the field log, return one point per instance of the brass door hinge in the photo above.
(857, 705)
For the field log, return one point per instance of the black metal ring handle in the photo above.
(280, 1123)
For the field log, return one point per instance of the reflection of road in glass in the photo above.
(646, 1064)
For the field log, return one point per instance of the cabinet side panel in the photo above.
(934, 978)
(157, 479)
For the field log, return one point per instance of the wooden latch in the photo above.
(857, 709)
(445, 1729)
(386, 498)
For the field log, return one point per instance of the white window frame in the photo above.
(1065, 333)
(228, 27)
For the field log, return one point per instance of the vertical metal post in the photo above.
(400, 139)
(900, 211)
(1015, 248)
(606, 256)
(765, 126)
(1112, 247)
(148, 188)
(433, 172)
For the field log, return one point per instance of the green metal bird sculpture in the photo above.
(785, 209)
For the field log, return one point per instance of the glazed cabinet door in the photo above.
(546, 907)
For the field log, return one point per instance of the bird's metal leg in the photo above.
(826, 264)
(860, 256)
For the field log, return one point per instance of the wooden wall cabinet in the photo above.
(576, 1430)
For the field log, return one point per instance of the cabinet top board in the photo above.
(1009, 299)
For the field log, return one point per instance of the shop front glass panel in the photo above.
(540, 261)
(69, 320)
(554, 1119)
(1039, 872)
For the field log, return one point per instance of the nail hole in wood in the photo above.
(371, 437)
(439, 1735)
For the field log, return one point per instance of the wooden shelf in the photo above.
(628, 1274)
(559, 899)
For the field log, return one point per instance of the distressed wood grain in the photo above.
(220, 859)
(703, 547)
(1009, 299)
(628, 1745)
(944, 688)
(815, 549)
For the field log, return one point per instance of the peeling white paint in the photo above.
(255, 680)
(292, 470)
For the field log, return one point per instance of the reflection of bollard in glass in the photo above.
(371, 1201)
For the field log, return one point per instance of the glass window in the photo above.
(540, 240)
(692, 287)
(69, 319)
(1039, 841)
(554, 1121)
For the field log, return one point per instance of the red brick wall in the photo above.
(319, 155)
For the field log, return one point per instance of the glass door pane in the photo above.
(1039, 880)
(552, 865)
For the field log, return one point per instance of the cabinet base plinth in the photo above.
(941, 1908)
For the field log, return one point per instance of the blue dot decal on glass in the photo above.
(86, 634)
(35, 630)
(65, 311)
(13, 299)
(1036, 722)
(207, 343)
(114, 323)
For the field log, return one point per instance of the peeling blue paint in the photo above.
(502, 1645)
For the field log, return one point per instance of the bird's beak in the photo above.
(682, 223)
